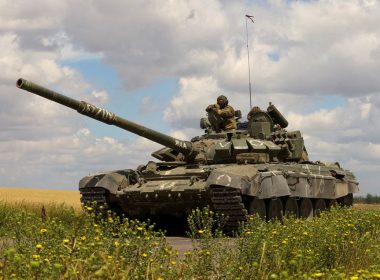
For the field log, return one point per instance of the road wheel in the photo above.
(319, 207)
(275, 209)
(257, 206)
(291, 207)
(306, 208)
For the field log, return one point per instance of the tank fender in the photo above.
(112, 181)
(250, 181)
(237, 176)
(269, 184)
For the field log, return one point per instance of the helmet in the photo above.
(222, 97)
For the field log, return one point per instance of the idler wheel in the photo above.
(257, 206)
(319, 207)
(306, 208)
(275, 209)
(291, 207)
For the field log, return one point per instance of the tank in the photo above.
(260, 168)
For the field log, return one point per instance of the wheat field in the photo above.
(69, 198)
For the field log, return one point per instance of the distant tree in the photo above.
(368, 199)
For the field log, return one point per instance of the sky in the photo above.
(160, 63)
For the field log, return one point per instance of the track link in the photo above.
(94, 195)
(227, 201)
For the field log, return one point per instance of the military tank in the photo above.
(260, 168)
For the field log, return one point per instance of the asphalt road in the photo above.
(181, 244)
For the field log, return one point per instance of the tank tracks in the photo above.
(227, 201)
(96, 196)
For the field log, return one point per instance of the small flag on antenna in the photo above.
(251, 18)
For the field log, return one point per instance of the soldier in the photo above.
(223, 111)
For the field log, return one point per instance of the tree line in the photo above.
(368, 199)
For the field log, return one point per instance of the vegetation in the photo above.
(65, 243)
(368, 199)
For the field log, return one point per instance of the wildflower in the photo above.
(39, 246)
(173, 262)
(305, 233)
(109, 257)
(376, 275)
(83, 238)
(43, 230)
(248, 232)
(88, 208)
(66, 241)
(354, 277)
(139, 228)
(274, 232)
(317, 274)
(35, 256)
(201, 231)
(145, 255)
(116, 243)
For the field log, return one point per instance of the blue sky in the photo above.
(161, 63)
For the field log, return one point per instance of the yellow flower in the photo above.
(39, 246)
(145, 255)
(116, 243)
(354, 277)
(317, 274)
(43, 230)
(35, 257)
(139, 228)
(109, 257)
(201, 231)
(173, 262)
(248, 232)
(274, 232)
(83, 238)
(88, 208)
(376, 275)
(66, 241)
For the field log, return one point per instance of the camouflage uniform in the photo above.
(225, 112)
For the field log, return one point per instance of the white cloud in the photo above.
(300, 52)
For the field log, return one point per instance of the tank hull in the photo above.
(230, 189)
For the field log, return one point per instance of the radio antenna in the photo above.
(249, 64)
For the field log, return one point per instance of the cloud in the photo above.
(302, 53)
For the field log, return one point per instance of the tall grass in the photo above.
(341, 244)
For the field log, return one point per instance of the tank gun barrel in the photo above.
(100, 114)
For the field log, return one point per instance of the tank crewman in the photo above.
(253, 111)
(224, 111)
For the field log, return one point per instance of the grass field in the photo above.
(70, 244)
